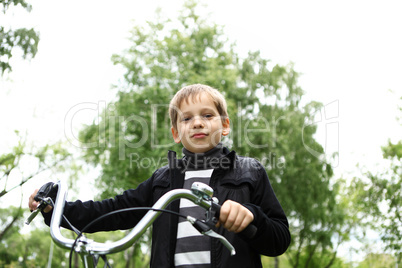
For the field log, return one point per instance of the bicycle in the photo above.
(91, 251)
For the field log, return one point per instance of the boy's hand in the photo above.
(234, 217)
(32, 204)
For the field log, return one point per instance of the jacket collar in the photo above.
(227, 161)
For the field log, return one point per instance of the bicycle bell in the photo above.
(203, 190)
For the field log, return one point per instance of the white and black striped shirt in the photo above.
(192, 248)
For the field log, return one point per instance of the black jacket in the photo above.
(243, 180)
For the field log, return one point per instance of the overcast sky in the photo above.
(348, 52)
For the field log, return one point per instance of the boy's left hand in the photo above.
(234, 217)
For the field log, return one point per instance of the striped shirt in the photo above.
(192, 248)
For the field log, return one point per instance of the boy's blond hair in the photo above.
(194, 91)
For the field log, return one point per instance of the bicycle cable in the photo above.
(68, 222)
(79, 234)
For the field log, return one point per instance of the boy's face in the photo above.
(199, 125)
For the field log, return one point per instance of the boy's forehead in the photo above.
(197, 98)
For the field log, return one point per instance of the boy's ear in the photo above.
(226, 127)
(176, 135)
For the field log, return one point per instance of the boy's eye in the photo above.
(205, 116)
(186, 119)
(208, 116)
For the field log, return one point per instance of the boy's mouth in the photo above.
(199, 135)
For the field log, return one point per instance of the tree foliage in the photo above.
(36, 249)
(21, 165)
(25, 39)
(268, 119)
(378, 198)
(378, 261)
(27, 250)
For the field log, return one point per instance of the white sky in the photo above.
(349, 54)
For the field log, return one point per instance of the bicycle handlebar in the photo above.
(201, 194)
(135, 233)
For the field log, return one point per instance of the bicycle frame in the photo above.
(89, 249)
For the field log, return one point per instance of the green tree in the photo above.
(378, 198)
(36, 249)
(24, 250)
(378, 261)
(389, 189)
(6, 256)
(25, 39)
(267, 116)
(14, 173)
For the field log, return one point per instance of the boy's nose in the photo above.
(198, 122)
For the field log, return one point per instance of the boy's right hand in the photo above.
(234, 216)
(32, 204)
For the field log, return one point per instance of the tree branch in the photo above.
(13, 221)
(23, 181)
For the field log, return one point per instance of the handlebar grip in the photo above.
(249, 232)
(47, 190)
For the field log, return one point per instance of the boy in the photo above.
(199, 119)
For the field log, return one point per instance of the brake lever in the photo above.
(206, 229)
(43, 203)
(223, 240)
